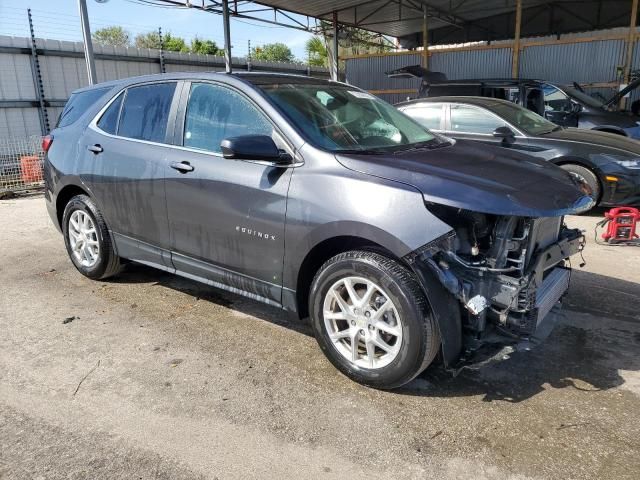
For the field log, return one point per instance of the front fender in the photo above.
(343, 203)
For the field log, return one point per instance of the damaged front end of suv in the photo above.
(508, 274)
(493, 281)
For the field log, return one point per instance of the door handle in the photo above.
(182, 167)
(96, 149)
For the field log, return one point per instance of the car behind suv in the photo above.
(318, 198)
(565, 105)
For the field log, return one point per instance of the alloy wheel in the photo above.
(83, 239)
(362, 322)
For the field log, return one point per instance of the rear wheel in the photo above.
(87, 239)
(587, 176)
(372, 320)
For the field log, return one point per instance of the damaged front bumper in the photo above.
(499, 311)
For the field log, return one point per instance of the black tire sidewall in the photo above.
(85, 204)
(409, 360)
(588, 176)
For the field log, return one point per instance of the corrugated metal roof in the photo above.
(467, 20)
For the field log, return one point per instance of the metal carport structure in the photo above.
(420, 23)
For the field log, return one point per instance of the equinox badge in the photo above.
(254, 233)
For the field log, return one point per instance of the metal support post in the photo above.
(88, 45)
(227, 35)
(335, 62)
(425, 38)
(515, 65)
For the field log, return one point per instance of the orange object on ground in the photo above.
(31, 169)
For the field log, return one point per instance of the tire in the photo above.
(406, 326)
(105, 262)
(587, 176)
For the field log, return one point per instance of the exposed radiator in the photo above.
(553, 287)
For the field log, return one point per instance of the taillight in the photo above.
(47, 140)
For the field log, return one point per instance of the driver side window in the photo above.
(215, 113)
(554, 99)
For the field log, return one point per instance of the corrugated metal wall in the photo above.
(63, 70)
(587, 62)
(583, 62)
(369, 72)
(493, 63)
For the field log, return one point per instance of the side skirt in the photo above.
(164, 260)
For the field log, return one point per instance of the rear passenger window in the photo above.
(109, 120)
(215, 113)
(145, 112)
(426, 115)
(78, 104)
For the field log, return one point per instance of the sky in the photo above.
(60, 20)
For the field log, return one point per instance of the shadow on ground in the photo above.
(580, 356)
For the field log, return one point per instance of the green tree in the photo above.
(115, 36)
(273, 52)
(317, 52)
(148, 40)
(169, 42)
(174, 44)
(205, 47)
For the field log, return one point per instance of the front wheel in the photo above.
(586, 176)
(88, 240)
(372, 320)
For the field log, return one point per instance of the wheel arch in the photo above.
(568, 160)
(323, 251)
(63, 197)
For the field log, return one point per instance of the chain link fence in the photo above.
(20, 164)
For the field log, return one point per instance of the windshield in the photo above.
(339, 118)
(523, 119)
(583, 97)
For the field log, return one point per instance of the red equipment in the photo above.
(621, 225)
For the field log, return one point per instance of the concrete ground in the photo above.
(160, 377)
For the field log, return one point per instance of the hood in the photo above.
(595, 137)
(479, 178)
(602, 117)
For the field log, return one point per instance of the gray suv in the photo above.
(402, 246)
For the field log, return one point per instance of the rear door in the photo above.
(126, 148)
(226, 217)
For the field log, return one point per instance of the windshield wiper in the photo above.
(554, 129)
(429, 144)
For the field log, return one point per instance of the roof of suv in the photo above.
(256, 78)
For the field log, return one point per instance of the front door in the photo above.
(558, 107)
(226, 217)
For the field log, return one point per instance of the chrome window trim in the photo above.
(93, 125)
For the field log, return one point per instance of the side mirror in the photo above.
(576, 107)
(506, 134)
(253, 147)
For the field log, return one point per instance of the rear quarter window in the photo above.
(78, 104)
(109, 120)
